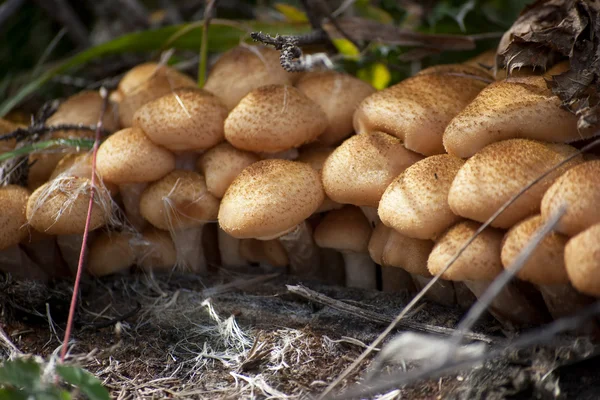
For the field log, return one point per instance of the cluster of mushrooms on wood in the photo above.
(320, 173)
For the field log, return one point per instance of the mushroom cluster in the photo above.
(321, 173)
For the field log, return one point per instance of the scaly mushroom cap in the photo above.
(499, 171)
(274, 118)
(416, 202)
(389, 248)
(345, 230)
(417, 109)
(12, 218)
(128, 156)
(479, 262)
(315, 157)
(110, 253)
(582, 261)
(60, 206)
(80, 166)
(546, 265)
(156, 251)
(221, 164)
(186, 119)
(243, 69)
(147, 82)
(579, 190)
(271, 252)
(464, 70)
(361, 168)
(179, 200)
(269, 198)
(513, 108)
(338, 95)
(7, 127)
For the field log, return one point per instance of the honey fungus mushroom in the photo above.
(582, 261)
(272, 199)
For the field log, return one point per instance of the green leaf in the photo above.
(377, 74)
(81, 144)
(12, 394)
(86, 382)
(367, 10)
(21, 374)
(222, 35)
(291, 13)
(347, 48)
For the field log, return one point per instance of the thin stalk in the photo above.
(204, 44)
(84, 144)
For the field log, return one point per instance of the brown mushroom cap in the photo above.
(546, 265)
(12, 218)
(416, 202)
(156, 250)
(60, 206)
(128, 156)
(179, 200)
(499, 171)
(361, 168)
(110, 253)
(315, 157)
(274, 118)
(465, 70)
(417, 109)
(479, 262)
(79, 166)
(271, 252)
(579, 190)
(243, 69)
(186, 119)
(338, 95)
(345, 230)
(147, 82)
(269, 198)
(582, 261)
(221, 164)
(513, 108)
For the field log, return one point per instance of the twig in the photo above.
(291, 53)
(380, 318)
(204, 45)
(237, 284)
(6, 340)
(112, 321)
(86, 229)
(22, 133)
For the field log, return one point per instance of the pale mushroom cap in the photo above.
(156, 251)
(579, 190)
(499, 171)
(128, 156)
(221, 164)
(315, 157)
(345, 230)
(83, 108)
(186, 119)
(274, 118)
(147, 82)
(80, 166)
(546, 265)
(110, 253)
(12, 218)
(267, 251)
(243, 69)
(513, 108)
(270, 197)
(179, 200)
(417, 109)
(361, 168)
(479, 262)
(60, 206)
(582, 261)
(464, 70)
(389, 248)
(338, 95)
(416, 202)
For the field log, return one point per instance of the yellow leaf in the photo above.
(346, 48)
(378, 75)
(291, 13)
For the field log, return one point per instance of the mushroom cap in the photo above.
(12, 218)
(79, 166)
(417, 109)
(338, 95)
(60, 206)
(579, 190)
(270, 197)
(110, 253)
(582, 261)
(177, 201)
(128, 156)
(83, 108)
(271, 252)
(147, 82)
(464, 70)
(221, 164)
(361, 168)
(389, 248)
(513, 108)
(186, 119)
(315, 157)
(243, 69)
(499, 171)
(274, 118)
(346, 230)
(156, 251)
(546, 265)
(416, 202)
(479, 262)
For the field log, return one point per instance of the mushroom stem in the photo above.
(442, 292)
(371, 214)
(563, 300)
(302, 251)
(290, 154)
(464, 296)
(46, 254)
(14, 261)
(190, 253)
(332, 267)
(395, 279)
(229, 248)
(70, 248)
(130, 195)
(360, 270)
(186, 160)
